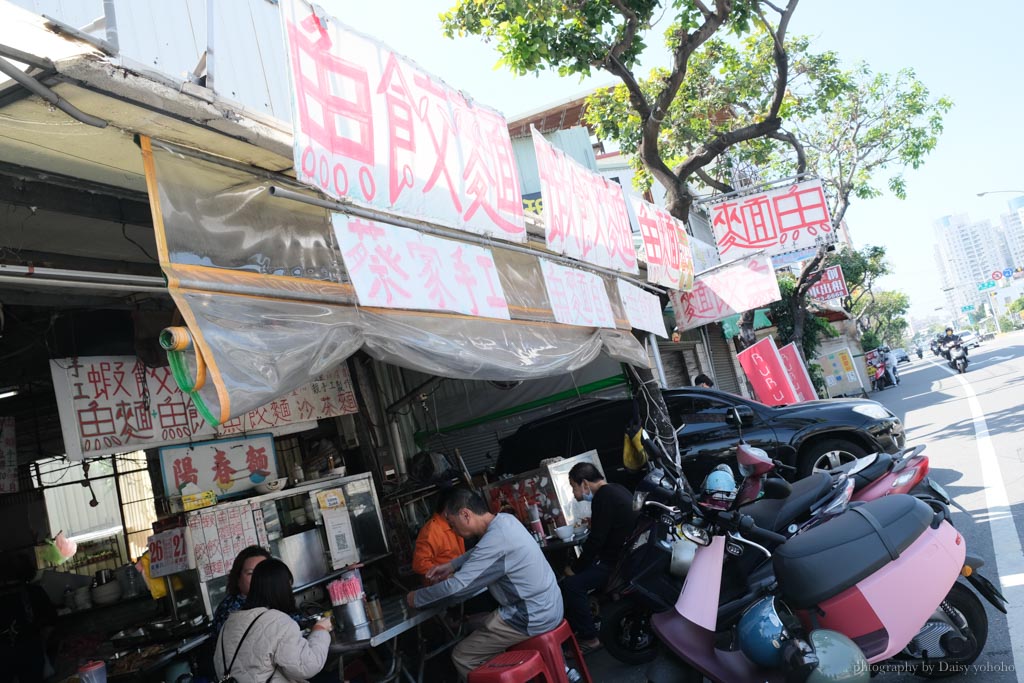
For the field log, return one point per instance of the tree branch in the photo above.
(791, 139)
(629, 30)
(710, 181)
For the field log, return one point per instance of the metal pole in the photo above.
(652, 342)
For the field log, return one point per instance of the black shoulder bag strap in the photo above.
(223, 658)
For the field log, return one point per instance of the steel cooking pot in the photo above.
(104, 576)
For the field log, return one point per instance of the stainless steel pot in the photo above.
(104, 576)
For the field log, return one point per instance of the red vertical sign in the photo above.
(797, 371)
(766, 372)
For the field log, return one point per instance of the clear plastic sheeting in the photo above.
(262, 287)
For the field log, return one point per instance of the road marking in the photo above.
(1005, 541)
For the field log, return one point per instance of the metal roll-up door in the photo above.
(674, 360)
(722, 360)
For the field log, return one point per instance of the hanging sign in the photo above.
(766, 372)
(226, 466)
(832, 285)
(797, 371)
(643, 309)
(666, 245)
(585, 215)
(114, 404)
(786, 219)
(705, 256)
(371, 126)
(576, 296)
(8, 456)
(394, 267)
(168, 553)
(726, 290)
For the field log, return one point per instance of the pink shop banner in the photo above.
(797, 371)
(766, 372)
(726, 290)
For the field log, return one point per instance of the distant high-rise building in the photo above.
(966, 253)
(1013, 231)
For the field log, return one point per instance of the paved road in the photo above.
(973, 425)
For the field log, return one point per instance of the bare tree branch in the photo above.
(791, 139)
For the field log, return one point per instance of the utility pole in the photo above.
(995, 313)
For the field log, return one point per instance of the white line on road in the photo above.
(1005, 541)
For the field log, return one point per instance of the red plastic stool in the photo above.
(549, 645)
(511, 667)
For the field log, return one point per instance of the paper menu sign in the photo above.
(340, 540)
(330, 498)
(167, 553)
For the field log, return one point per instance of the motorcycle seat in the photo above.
(879, 466)
(777, 514)
(826, 560)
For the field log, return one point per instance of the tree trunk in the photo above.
(808, 277)
(747, 335)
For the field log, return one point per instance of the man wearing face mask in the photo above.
(611, 522)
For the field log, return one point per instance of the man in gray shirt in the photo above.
(508, 562)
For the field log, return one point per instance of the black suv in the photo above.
(808, 436)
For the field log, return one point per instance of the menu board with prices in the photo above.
(168, 553)
(219, 535)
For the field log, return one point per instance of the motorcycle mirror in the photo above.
(696, 535)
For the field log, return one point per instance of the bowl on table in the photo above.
(271, 485)
(565, 533)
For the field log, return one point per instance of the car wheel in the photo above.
(828, 454)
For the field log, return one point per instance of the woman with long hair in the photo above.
(238, 583)
(261, 642)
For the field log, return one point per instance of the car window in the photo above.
(696, 414)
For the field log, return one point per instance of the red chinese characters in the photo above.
(739, 286)
(780, 221)
(371, 126)
(796, 370)
(764, 369)
(256, 460)
(222, 471)
(576, 296)
(585, 214)
(184, 473)
(394, 267)
(666, 244)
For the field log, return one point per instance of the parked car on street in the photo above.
(969, 339)
(901, 356)
(808, 436)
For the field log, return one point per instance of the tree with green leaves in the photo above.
(610, 36)
(861, 268)
(884, 315)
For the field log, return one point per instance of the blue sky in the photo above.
(977, 60)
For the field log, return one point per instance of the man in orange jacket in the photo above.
(436, 543)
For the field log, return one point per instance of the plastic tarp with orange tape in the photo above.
(268, 304)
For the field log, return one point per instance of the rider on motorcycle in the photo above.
(949, 338)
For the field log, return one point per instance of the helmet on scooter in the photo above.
(762, 633)
(839, 659)
(719, 488)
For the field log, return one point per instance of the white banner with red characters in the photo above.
(643, 309)
(585, 214)
(766, 372)
(8, 456)
(114, 404)
(666, 244)
(726, 290)
(394, 267)
(576, 296)
(782, 220)
(373, 127)
(832, 285)
(227, 467)
(797, 371)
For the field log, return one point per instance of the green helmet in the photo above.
(839, 659)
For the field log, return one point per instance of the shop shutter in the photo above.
(722, 360)
(674, 363)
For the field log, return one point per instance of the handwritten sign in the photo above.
(113, 404)
(666, 245)
(167, 553)
(764, 369)
(585, 214)
(797, 371)
(832, 285)
(643, 309)
(782, 220)
(740, 286)
(371, 126)
(394, 267)
(225, 466)
(8, 456)
(577, 297)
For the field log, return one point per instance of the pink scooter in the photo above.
(848, 575)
